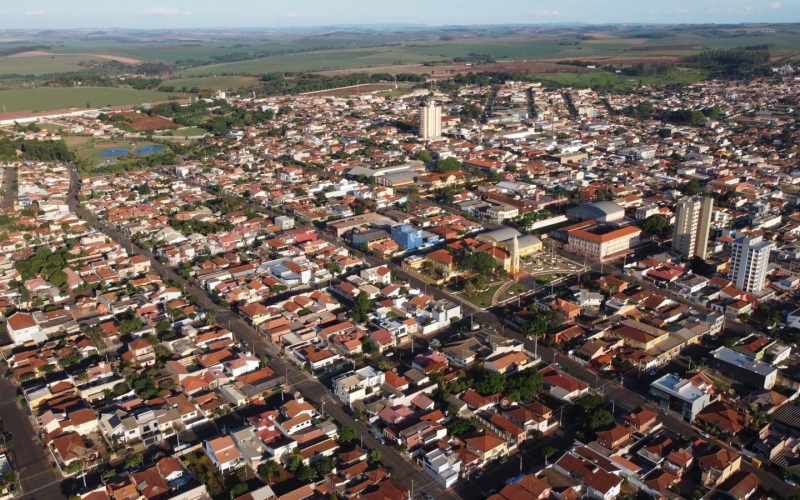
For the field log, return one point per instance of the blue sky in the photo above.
(270, 13)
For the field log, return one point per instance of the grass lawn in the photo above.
(513, 291)
(49, 98)
(188, 132)
(483, 299)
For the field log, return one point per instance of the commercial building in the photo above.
(749, 261)
(692, 223)
(685, 396)
(408, 237)
(744, 369)
(601, 211)
(602, 242)
(430, 121)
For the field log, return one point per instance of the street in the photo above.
(31, 461)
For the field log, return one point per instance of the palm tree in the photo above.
(211, 317)
(268, 469)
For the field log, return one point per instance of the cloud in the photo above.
(37, 12)
(775, 5)
(680, 10)
(166, 11)
(546, 13)
(291, 13)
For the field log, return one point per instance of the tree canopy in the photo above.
(657, 225)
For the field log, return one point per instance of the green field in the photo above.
(188, 132)
(47, 98)
(42, 65)
(619, 81)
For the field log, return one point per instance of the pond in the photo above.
(113, 153)
(148, 150)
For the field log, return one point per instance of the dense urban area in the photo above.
(479, 289)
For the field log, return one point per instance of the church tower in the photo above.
(515, 257)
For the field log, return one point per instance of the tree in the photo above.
(482, 263)
(324, 466)
(239, 490)
(145, 190)
(459, 426)
(268, 469)
(448, 165)
(361, 308)
(487, 383)
(424, 156)
(588, 403)
(744, 317)
(692, 187)
(58, 278)
(346, 434)
(547, 452)
(375, 455)
(600, 418)
(211, 317)
(657, 225)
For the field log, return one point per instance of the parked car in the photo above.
(704, 434)
(479, 475)
(427, 495)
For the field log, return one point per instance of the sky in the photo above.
(159, 14)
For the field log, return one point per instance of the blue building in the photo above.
(407, 236)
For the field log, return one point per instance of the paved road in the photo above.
(37, 478)
(8, 187)
(309, 387)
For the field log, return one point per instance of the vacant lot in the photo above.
(146, 122)
(46, 98)
(357, 89)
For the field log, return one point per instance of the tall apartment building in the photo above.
(749, 261)
(430, 121)
(692, 223)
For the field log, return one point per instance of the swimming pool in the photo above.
(113, 153)
(148, 150)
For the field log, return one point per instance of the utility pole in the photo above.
(520, 464)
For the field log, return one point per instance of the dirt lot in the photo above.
(354, 90)
(145, 122)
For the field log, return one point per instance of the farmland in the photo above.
(231, 60)
(45, 98)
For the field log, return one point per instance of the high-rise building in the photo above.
(692, 223)
(430, 121)
(749, 261)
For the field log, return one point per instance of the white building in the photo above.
(353, 386)
(749, 261)
(443, 465)
(430, 121)
(692, 223)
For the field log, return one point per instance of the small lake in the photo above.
(148, 150)
(113, 153)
